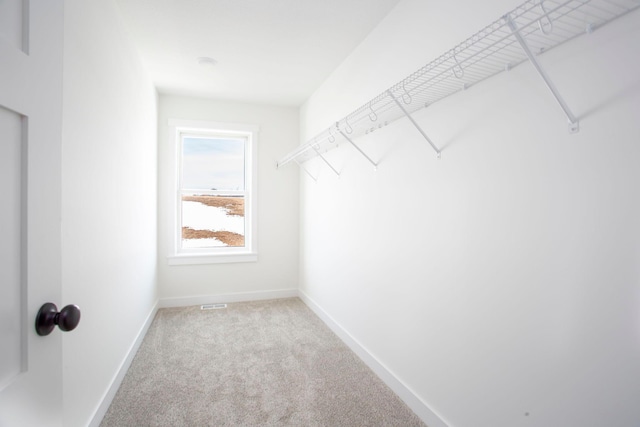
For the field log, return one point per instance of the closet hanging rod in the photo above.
(541, 24)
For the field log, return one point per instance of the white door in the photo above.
(31, 39)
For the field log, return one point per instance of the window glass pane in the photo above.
(213, 163)
(210, 221)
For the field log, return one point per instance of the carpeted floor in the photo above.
(265, 363)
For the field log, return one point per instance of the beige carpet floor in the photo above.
(266, 363)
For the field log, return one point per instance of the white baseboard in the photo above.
(227, 298)
(421, 409)
(122, 371)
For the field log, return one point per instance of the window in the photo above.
(215, 193)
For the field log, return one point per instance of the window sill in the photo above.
(194, 259)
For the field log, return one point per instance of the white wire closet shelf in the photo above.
(524, 33)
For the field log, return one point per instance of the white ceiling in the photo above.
(267, 51)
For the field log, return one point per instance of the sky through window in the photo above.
(213, 163)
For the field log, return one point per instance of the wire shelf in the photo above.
(543, 24)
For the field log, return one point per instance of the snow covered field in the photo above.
(199, 216)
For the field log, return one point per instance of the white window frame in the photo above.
(224, 254)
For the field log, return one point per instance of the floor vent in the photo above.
(212, 306)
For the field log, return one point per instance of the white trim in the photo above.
(227, 298)
(107, 398)
(421, 409)
(195, 259)
(198, 125)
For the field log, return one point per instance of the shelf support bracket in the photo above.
(305, 169)
(417, 126)
(326, 161)
(574, 124)
(375, 166)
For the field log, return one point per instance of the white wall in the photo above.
(108, 201)
(504, 278)
(276, 271)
